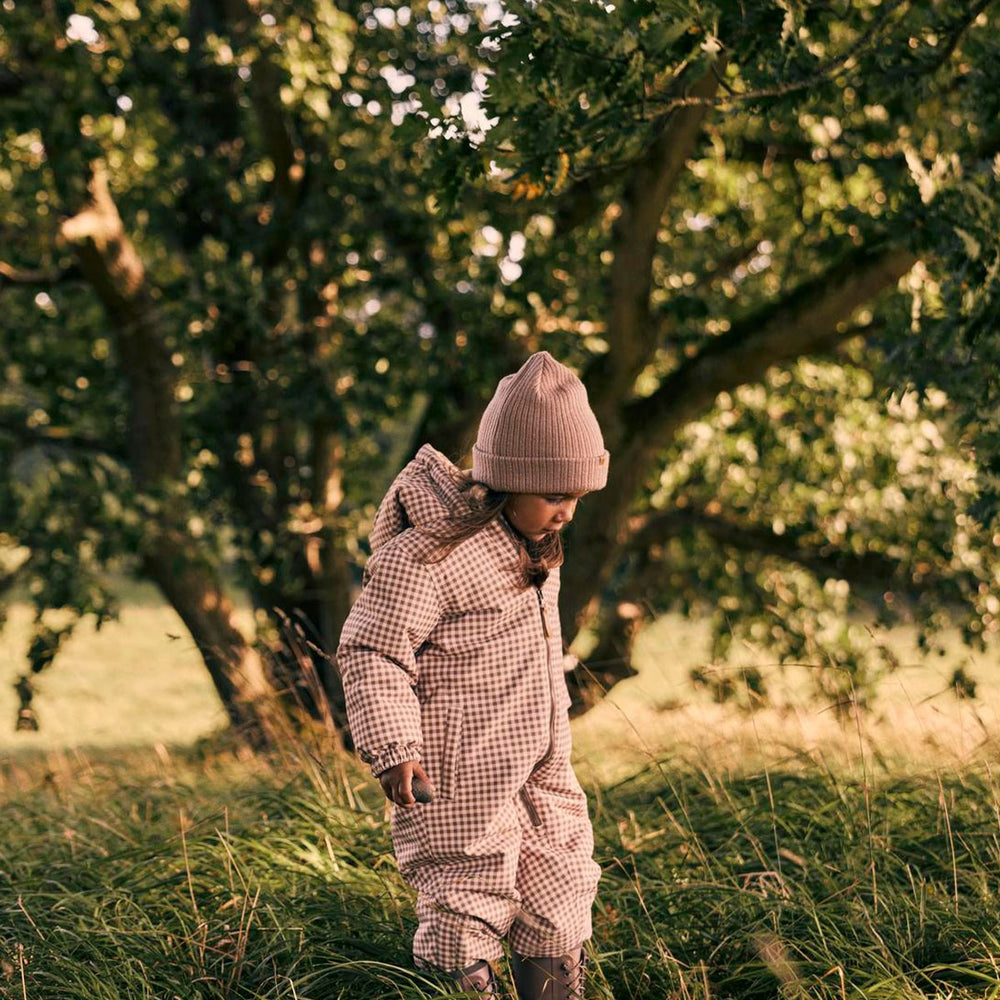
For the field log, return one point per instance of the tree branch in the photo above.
(832, 67)
(653, 179)
(11, 275)
(950, 43)
(767, 150)
(111, 264)
(827, 71)
(582, 200)
(622, 619)
(722, 266)
(276, 129)
(109, 261)
(807, 320)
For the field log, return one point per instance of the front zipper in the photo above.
(541, 607)
(548, 671)
(536, 820)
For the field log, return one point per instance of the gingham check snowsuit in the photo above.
(459, 665)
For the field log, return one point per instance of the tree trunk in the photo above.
(328, 562)
(234, 666)
(109, 261)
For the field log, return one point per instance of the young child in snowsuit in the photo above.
(451, 660)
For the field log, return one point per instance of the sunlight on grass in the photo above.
(202, 875)
(917, 722)
(138, 681)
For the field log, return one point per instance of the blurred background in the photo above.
(254, 254)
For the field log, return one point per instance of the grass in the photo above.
(146, 876)
(773, 853)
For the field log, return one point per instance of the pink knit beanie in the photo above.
(539, 435)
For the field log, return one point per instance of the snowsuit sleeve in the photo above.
(395, 612)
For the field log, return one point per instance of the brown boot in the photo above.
(479, 980)
(550, 978)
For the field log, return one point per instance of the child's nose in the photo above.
(565, 512)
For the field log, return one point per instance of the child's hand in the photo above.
(397, 783)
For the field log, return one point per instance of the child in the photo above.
(451, 660)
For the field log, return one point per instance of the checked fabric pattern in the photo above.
(448, 663)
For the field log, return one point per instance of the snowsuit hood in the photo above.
(422, 494)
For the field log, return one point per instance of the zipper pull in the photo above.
(541, 607)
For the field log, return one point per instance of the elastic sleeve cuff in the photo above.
(391, 755)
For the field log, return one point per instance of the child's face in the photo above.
(536, 514)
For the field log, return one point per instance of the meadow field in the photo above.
(778, 852)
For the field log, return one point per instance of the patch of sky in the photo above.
(510, 268)
(80, 28)
(698, 221)
(397, 79)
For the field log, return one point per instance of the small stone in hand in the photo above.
(423, 791)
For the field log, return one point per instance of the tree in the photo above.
(732, 188)
(206, 283)
(255, 254)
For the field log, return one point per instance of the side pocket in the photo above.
(441, 723)
(451, 747)
(536, 820)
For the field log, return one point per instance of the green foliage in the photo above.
(835, 126)
(280, 327)
(867, 510)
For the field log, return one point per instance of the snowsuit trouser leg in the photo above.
(556, 874)
(480, 877)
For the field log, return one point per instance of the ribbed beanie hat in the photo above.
(538, 433)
